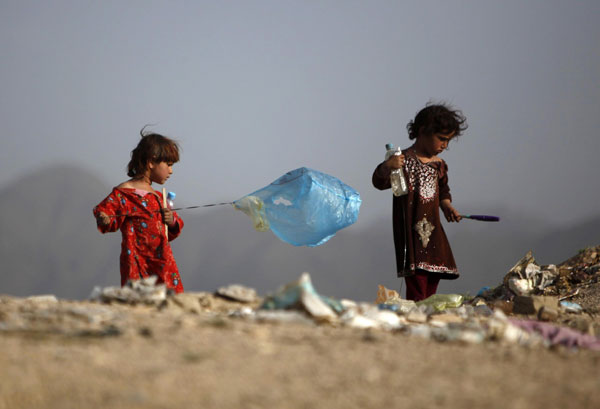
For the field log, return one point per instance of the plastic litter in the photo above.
(439, 302)
(571, 307)
(304, 207)
(527, 276)
(301, 294)
(390, 300)
(386, 296)
(397, 179)
(557, 335)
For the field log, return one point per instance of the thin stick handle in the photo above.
(481, 217)
(164, 192)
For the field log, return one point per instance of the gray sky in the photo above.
(253, 89)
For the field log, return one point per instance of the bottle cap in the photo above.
(389, 146)
(171, 195)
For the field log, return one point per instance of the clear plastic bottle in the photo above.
(170, 197)
(397, 179)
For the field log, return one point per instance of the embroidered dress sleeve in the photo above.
(380, 180)
(112, 206)
(443, 182)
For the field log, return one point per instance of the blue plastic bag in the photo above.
(304, 207)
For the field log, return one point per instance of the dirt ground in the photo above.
(170, 359)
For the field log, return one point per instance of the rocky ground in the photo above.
(143, 348)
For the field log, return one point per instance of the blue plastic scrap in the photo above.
(304, 207)
(571, 306)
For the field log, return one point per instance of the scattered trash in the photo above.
(401, 306)
(390, 300)
(557, 335)
(301, 294)
(386, 296)
(439, 302)
(571, 307)
(369, 316)
(526, 276)
(550, 302)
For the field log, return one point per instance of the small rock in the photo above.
(527, 305)
(238, 292)
(483, 310)
(187, 302)
(547, 314)
(283, 316)
(444, 319)
(505, 306)
(417, 316)
(48, 298)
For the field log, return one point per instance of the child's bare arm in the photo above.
(168, 216)
(452, 215)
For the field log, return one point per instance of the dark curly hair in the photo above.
(437, 118)
(152, 147)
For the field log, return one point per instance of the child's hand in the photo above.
(394, 162)
(452, 215)
(168, 216)
(102, 219)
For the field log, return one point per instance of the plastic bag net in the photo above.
(304, 207)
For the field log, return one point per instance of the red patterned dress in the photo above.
(145, 250)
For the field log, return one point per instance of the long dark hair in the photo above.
(437, 118)
(152, 147)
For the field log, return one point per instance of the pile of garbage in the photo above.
(534, 304)
(549, 291)
(441, 317)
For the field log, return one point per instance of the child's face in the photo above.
(160, 172)
(437, 143)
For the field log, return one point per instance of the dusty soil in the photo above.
(173, 359)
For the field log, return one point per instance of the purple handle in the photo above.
(482, 217)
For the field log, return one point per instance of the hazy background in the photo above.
(253, 89)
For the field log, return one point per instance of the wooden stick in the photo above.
(164, 192)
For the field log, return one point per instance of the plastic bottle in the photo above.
(170, 197)
(399, 186)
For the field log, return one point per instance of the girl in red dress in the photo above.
(423, 253)
(136, 209)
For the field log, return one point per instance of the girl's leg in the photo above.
(421, 285)
(432, 283)
(416, 286)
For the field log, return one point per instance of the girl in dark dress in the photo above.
(423, 254)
